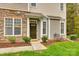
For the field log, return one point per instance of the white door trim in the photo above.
(41, 23)
(46, 27)
(28, 28)
(36, 28)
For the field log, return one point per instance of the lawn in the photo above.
(57, 49)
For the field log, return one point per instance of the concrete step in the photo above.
(35, 40)
(38, 46)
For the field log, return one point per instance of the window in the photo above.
(17, 26)
(44, 27)
(33, 4)
(12, 26)
(62, 28)
(8, 26)
(61, 6)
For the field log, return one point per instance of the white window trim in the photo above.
(64, 27)
(33, 6)
(60, 7)
(46, 27)
(13, 26)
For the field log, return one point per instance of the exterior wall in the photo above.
(14, 6)
(11, 13)
(54, 28)
(52, 9)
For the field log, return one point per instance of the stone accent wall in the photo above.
(13, 14)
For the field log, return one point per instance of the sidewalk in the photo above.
(15, 49)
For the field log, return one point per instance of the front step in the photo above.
(36, 45)
(34, 40)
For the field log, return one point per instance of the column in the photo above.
(49, 28)
(41, 27)
(28, 28)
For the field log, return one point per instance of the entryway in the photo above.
(33, 29)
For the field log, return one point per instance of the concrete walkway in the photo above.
(36, 45)
(15, 49)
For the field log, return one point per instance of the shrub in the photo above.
(26, 39)
(73, 37)
(44, 38)
(78, 35)
(12, 39)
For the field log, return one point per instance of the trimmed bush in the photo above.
(73, 37)
(44, 38)
(12, 39)
(26, 39)
(78, 35)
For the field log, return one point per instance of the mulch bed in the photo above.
(50, 42)
(17, 44)
(76, 39)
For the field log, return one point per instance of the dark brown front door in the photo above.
(33, 30)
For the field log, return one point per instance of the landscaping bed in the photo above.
(77, 40)
(17, 44)
(13, 43)
(50, 42)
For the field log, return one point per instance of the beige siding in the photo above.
(54, 28)
(52, 9)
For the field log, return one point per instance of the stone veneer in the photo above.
(13, 14)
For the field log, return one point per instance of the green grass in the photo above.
(57, 49)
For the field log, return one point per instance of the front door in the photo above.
(33, 29)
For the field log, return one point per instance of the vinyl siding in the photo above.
(52, 9)
(14, 6)
(54, 28)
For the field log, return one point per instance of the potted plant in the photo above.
(44, 39)
(26, 39)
